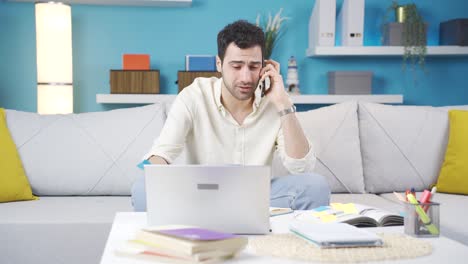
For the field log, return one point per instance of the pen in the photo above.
(399, 197)
(426, 198)
(431, 196)
(422, 215)
(406, 194)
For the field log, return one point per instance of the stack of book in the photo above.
(183, 245)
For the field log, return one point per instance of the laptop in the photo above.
(226, 198)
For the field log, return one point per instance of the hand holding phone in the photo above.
(264, 85)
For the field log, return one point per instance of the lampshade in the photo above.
(54, 58)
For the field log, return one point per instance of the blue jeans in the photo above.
(298, 192)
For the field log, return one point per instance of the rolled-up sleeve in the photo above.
(295, 166)
(171, 141)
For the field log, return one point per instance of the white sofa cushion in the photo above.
(402, 146)
(333, 133)
(65, 210)
(85, 154)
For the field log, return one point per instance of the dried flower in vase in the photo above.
(272, 29)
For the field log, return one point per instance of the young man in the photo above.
(227, 121)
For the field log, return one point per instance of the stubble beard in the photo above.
(239, 96)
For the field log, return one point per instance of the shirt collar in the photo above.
(217, 95)
(257, 100)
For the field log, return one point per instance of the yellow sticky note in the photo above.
(348, 208)
(328, 218)
(320, 214)
(337, 206)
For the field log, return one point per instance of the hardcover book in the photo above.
(196, 234)
(193, 240)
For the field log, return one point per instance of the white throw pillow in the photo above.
(334, 135)
(402, 146)
(85, 154)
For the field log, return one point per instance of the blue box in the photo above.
(200, 63)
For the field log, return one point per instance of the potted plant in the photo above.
(409, 30)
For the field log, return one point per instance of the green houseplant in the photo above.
(414, 33)
(272, 29)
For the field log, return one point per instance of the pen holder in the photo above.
(422, 220)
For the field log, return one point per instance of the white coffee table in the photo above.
(126, 224)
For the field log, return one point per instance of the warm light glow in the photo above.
(54, 99)
(54, 58)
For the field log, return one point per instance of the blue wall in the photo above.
(101, 34)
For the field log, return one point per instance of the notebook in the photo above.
(330, 235)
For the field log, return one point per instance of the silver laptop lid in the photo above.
(226, 198)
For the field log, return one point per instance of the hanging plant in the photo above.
(414, 33)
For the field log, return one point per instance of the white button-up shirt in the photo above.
(198, 122)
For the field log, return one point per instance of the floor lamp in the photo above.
(54, 58)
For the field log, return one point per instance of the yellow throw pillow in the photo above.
(453, 177)
(14, 185)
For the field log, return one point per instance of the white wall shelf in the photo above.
(160, 3)
(134, 98)
(337, 98)
(297, 99)
(383, 51)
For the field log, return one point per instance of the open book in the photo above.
(354, 214)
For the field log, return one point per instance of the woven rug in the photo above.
(396, 246)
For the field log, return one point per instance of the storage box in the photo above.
(349, 82)
(185, 78)
(393, 34)
(136, 62)
(454, 32)
(134, 82)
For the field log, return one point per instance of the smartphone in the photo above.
(265, 84)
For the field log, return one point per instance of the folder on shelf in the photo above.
(200, 63)
(350, 23)
(322, 24)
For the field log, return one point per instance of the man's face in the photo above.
(241, 70)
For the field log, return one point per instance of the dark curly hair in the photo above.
(243, 34)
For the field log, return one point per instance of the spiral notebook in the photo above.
(330, 235)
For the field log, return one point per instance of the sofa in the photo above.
(82, 167)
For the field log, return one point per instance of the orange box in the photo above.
(136, 61)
